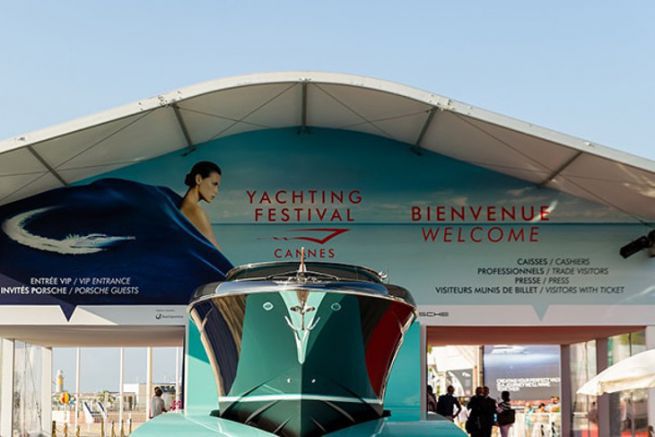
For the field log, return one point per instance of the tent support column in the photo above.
(603, 403)
(566, 401)
(78, 354)
(148, 382)
(46, 389)
(424, 369)
(121, 401)
(177, 378)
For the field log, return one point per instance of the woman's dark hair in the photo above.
(505, 396)
(202, 168)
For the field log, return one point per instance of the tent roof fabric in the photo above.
(182, 119)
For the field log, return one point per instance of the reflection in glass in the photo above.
(628, 415)
(628, 409)
(27, 414)
(583, 368)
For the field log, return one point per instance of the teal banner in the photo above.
(451, 232)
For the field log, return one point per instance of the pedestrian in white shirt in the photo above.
(157, 405)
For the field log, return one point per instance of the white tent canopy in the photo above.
(188, 117)
(636, 372)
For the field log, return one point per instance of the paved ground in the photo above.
(96, 429)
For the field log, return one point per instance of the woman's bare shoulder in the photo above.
(198, 217)
(194, 213)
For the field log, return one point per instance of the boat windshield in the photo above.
(274, 270)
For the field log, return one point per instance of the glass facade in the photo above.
(628, 409)
(583, 367)
(28, 374)
(100, 386)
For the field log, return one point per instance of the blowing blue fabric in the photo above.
(128, 240)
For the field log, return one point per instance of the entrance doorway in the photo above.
(541, 368)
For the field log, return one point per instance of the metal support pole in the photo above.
(78, 354)
(650, 344)
(7, 387)
(177, 378)
(148, 382)
(566, 395)
(184, 129)
(423, 344)
(121, 402)
(46, 388)
(603, 404)
(185, 365)
(416, 148)
(303, 109)
(480, 367)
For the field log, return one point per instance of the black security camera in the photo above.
(643, 242)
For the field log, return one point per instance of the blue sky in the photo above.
(585, 68)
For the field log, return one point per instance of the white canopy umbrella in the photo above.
(632, 373)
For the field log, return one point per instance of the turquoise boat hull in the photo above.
(175, 425)
(299, 350)
(301, 361)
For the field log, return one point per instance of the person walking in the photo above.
(473, 423)
(157, 405)
(431, 399)
(506, 415)
(487, 413)
(447, 403)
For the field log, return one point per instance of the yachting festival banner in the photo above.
(456, 235)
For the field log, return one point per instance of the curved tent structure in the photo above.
(182, 120)
(591, 293)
